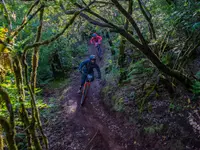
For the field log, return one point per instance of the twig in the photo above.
(91, 139)
(26, 128)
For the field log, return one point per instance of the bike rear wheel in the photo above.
(84, 94)
(99, 52)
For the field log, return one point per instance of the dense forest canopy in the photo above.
(149, 43)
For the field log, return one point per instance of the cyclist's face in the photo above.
(92, 61)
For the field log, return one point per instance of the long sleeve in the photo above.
(99, 38)
(82, 64)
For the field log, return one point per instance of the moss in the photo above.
(113, 98)
(10, 133)
(59, 83)
(119, 104)
(106, 89)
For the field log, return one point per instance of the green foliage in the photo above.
(171, 106)
(198, 75)
(196, 84)
(140, 67)
(68, 53)
(154, 129)
(59, 83)
(167, 59)
(175, 107)
(118, 104)
(196, 87)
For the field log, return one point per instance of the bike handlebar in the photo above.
(87, 74)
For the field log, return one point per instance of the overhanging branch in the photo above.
(46, 42)
(131, 20)
(83, 15)
(120, 30)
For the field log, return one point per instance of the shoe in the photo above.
(80, 90)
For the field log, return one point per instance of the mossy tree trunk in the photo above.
(56, 65)
(10, 133)
(35, 59)
(8, 124)
(31, 132)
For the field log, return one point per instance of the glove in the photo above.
(96, 44)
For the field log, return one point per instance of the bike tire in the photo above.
(99, 52)
(83, 97)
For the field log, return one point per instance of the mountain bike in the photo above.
(86, 88)
(99, 51)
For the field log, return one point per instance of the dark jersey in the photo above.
(88, 67)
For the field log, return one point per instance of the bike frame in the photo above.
(85, 91)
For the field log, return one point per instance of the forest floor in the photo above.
(90, 127)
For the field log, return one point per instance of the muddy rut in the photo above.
(90, 127)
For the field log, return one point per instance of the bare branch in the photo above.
(131, 20)
(96, 15)
(94, 22)
(89, 19)
(122, 31)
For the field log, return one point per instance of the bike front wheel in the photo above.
(84, 94)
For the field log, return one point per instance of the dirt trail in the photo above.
(90, 127)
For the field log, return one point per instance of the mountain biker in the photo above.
(96, 39)
(86, 67)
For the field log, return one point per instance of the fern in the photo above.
(139, 67)
(196, 87)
